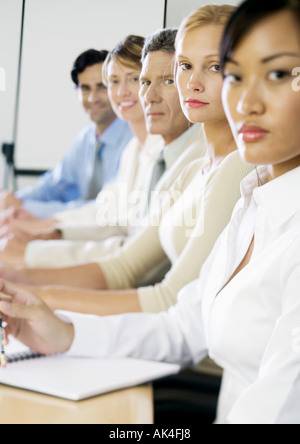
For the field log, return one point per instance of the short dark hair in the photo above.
(86, 59)
(246, 16)
(162, 40)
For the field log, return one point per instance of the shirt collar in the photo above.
(153, 145)
(113, 133)
(173, 150)
(279, 197)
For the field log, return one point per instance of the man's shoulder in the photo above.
(89, 131)
(86, 137)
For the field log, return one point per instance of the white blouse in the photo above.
(251, 328)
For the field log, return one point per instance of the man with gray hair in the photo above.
(163, 113)
(162, 40)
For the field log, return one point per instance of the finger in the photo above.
(8, 332)
(17, 293)
(8, 288)
(16, 311)
(5, 297)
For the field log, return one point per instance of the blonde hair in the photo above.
(207, 15)
(128, 53)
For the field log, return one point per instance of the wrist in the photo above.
(67, 338)
(21, 274)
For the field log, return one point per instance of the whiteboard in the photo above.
(55, 33)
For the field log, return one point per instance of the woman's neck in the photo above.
(219, 140)
(138, 127)
(280, 169)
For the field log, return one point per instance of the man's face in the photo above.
(92, 93)
(159, 97)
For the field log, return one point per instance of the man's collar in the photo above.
(173, 150)
(113, 133)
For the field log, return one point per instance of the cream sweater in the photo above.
(190, 221)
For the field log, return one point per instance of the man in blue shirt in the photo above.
(94, 157)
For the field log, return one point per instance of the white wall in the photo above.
(56, 32)
(178, 9)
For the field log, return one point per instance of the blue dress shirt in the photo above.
(67, 185)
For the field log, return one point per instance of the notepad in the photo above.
(76, 379)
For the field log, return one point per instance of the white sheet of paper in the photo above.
(80, 378)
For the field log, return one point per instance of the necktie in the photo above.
(97, 174)
(158, 170)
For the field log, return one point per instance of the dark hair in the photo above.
(162, 40)
(246, 16)
(86, 59)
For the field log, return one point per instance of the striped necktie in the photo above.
(97, 174)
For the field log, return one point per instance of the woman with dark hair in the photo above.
(245, 308)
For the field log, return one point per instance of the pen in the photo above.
(3, 360)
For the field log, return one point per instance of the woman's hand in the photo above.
(32, 322)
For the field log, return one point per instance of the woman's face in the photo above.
(123, 91)
(259, 94)
(198, 77)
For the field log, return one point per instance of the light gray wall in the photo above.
(178, 9)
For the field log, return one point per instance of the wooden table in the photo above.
(130, 406)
